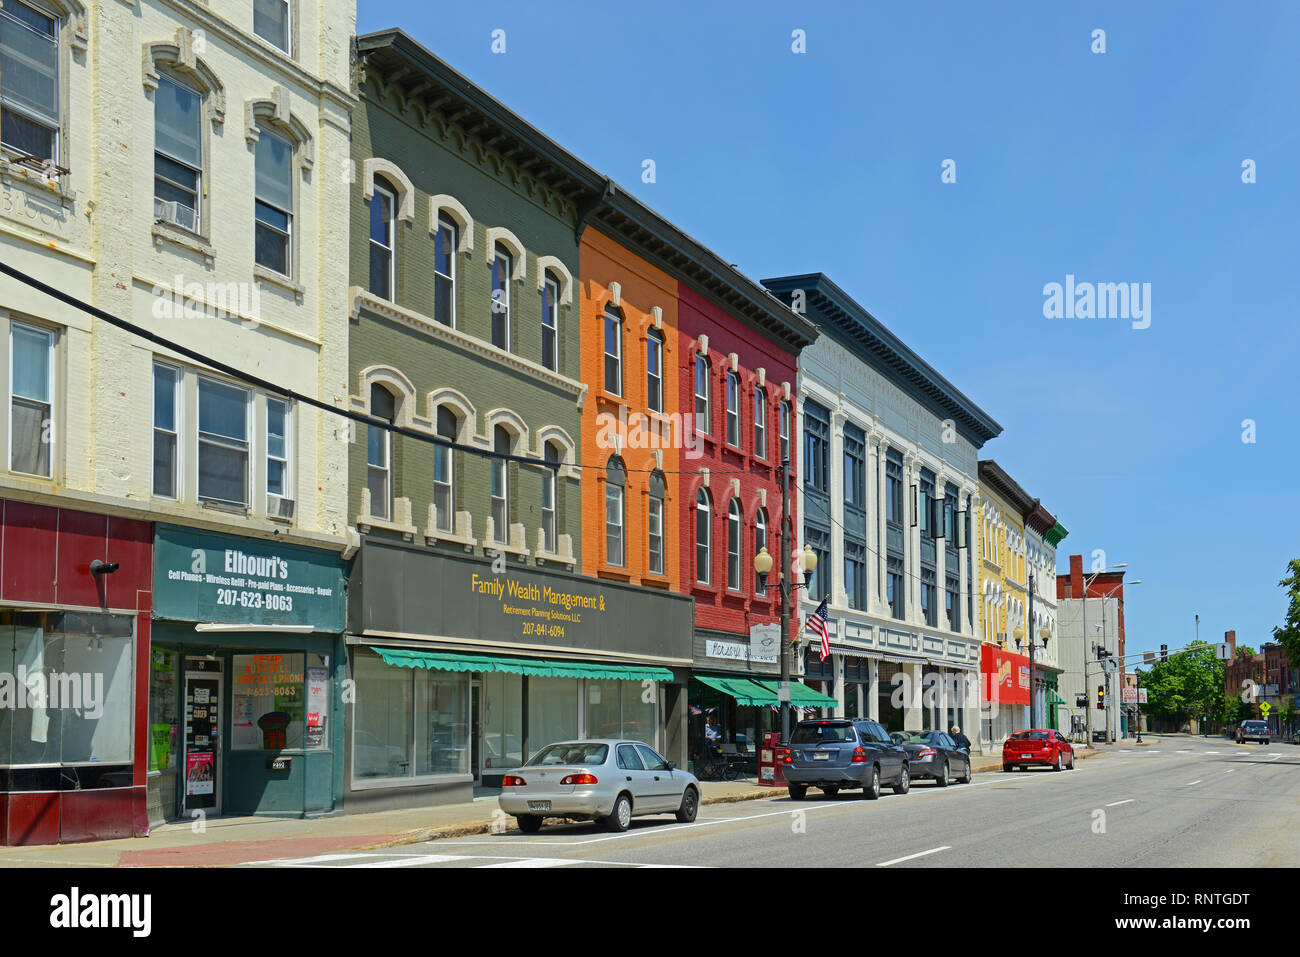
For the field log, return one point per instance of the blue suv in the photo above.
(836, 753)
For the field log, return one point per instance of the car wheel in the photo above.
(690, 806)
(904, 782)
(831, 791)
(1070, 766)
(966, 777)
(529, 823)
(621, 816)
(1006, 769)
(1058, 766)
(941, 778)
(872, 790)
(797, 791)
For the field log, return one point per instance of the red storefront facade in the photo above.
(74, 668)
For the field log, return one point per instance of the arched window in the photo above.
(383, 240)
(655, 522)
(760, 422)
(734, 538)
(550, 453)
(502, 269)
(379, 449)
(702, 411)
(760, 540)
(613, 351)
(615, 512)
(445, 244)
(444, 471)
(501, 486)
(551, 322)
(654, 371)
(703, 538)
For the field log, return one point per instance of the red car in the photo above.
(1037, 746)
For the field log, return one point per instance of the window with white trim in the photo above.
(379, 447)
(502, 267)
(29, 80)
(166, 430)
(702, 411)
(654, 372)
(271, 22)
(223, 443)
(550, 454)
(551, 323)
(615, 512)
(273, 189)
(383, 244)
(31, 399)
(703, 538)
(444, 272)
(655, 522)
(733, 410)
(279, 423)
(444, 473)
(784, 429)
(760, 542)
(613, 351)
(760, 422)
(178, 154)
(501, 486)
(734, 538)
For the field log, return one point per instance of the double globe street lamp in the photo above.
(763, 567)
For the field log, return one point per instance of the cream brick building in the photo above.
(103, 90)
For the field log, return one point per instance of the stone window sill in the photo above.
(262, 274)
(185, 239)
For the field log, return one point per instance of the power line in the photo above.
(315, 403)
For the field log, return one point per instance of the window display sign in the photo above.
(224, 578)
(199, 776)
(268, 700)
(317, 705)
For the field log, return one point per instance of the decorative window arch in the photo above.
(499, 234)
(395, 382)
(561, 273)
(512, 423)
(401, 184)
(453, 209)
(556, 436)
(73, 14)
(178, 57)
(461, 407)
(274, 113)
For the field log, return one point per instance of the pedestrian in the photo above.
(963, 742)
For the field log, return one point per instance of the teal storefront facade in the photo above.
(246, 676)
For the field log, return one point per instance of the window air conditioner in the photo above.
(178, 214)
(279, 507)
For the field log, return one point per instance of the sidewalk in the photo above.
(238, 840)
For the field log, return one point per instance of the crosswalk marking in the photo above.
(380, 859)
(534, 862)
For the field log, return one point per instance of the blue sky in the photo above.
(1123, 166)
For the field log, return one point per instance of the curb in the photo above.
(420, 835)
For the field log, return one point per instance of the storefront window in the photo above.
(552, 711)
(381, 741)
(279, 702)
(164, 688)
(604, 719)
(442, 722)
(640, 716)
(503, 720)
(73, 704)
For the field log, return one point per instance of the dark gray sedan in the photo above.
(934, 754)
(836, 753)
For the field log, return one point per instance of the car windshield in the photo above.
(822, 733)
(920, 737)
(1254, 725)
(575, 752)
(1031, 735)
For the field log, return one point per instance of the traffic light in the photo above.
(1164, 652)
(1101, 697)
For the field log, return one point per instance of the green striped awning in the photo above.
(453, 661)
(759, 692)
(800, 694)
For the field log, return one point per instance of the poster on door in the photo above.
(200, 773)
(317, 705)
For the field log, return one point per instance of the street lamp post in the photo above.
(786, 588)
(1137, 701)
(1045, 633)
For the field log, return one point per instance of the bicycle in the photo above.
(716, 767)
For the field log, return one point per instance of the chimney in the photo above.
(1076, 576)
(1231, 638)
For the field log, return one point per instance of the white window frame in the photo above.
(288, 29)
(783, 428)
(445, 222)
(702, 504)
(499, 253)
(733, 410)
(441, 453)
(703, 398)
(56, 141)
(618, 528)
(52, 342)
(654, 347)
(392, 241)
(287, 459)
(549, 530)
(551, 329)
(655, 532)
(199, 188)
(288, 213)
(735, 524)
(760, 423)
(500, 529)
(250, 443)
(616, 355)
(760, 541)
(178, 406)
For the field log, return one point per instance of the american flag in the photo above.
(817, 623)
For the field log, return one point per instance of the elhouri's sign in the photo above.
(224, 578)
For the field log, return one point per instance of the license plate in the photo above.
(1026, 755)
(539, 805)
(821, 755)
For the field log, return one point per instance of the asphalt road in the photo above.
(1183, 802)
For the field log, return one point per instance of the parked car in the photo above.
(1033, 746)
(836, 753)
(610, 781)
(933, 754)
(1253, 730)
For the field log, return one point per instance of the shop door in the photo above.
(201, 761)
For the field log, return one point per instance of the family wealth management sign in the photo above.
(232, 580)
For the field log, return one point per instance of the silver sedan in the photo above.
(607, 780)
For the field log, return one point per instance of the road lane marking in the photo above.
(1189, 785)
(312, 861)
(1229, 771)
(536, 862)
(415, 860)
(912, 857)
(1213, 752)
(1118, 803)
(1184, 751)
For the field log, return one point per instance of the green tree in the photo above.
(1188, 685)
(1245, 651)
(1288, 633)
